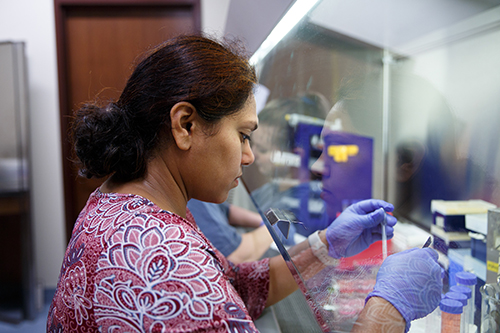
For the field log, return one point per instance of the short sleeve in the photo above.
(212, 219)
(251, 280)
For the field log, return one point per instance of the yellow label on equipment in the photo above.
(341, 153)
(492, 266)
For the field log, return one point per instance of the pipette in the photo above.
(428, 242)
(384, 237)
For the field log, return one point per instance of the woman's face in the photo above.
(262, 144)
(222, 154)
(322, 164)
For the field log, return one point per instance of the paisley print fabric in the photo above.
(132, 267)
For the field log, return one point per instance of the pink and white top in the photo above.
(133, 267)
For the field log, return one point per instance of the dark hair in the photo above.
(274, 114)
(119, 138)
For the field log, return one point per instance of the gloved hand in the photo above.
(358, 227)
(411, 282)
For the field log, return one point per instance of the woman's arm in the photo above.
(281, 281)
(409, 283)
(408, 287)
(252, 246)
(379, 315)
(239, 216)
(350, 233)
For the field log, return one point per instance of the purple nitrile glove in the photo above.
(358, 227)
(411, 281)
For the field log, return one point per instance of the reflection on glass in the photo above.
(307, 166)
(286, 144)
(399, 110)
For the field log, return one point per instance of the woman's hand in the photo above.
(358, 227)
(411, 282)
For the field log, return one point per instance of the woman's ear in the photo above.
(182, 116)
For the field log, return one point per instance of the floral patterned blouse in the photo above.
(133, 267)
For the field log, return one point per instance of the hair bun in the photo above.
(104, 141)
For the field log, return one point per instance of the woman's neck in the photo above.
(159, 185)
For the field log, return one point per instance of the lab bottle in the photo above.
(462, 299)
(467, 326)
(468, 280)
(451, 311)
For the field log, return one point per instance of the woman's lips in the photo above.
(326, 195)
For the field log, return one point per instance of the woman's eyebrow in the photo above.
(252, 125)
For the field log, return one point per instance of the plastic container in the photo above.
(451, 311)
(467, 293)
(461, 289)
(462, 298)
(468, 280)
(450, 215)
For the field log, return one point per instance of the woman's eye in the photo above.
(245, 137)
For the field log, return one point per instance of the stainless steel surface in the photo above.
(490, 308)
(493, 246)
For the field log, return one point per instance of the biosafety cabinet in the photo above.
(388, 99)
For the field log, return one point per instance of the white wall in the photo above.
(214, 16)
(32, 21)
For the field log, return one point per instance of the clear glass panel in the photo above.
(375, 99)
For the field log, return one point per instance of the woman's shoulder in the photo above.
(108, 213)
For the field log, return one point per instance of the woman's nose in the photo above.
(247, 157)
(318, 167)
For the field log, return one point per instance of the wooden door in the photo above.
(98, 43)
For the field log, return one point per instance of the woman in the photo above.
(137, 262)
(219, 223)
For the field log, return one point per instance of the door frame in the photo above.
(61, 8)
